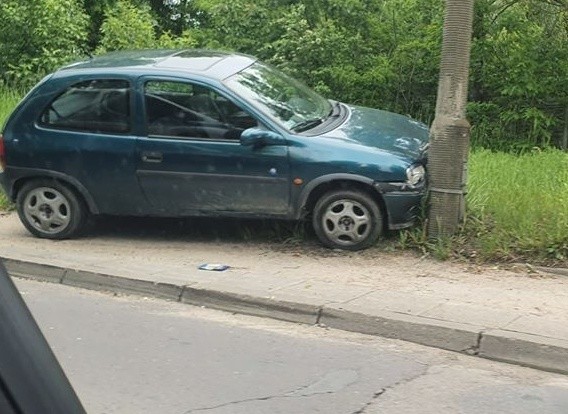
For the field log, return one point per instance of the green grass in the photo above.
(4, 203)
(518, 205)
(517, 210)
(8, 100)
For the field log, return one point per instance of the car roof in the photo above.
(210, 63)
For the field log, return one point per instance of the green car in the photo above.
(205, 133)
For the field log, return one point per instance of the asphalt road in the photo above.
(134, 355)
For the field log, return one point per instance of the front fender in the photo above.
(304, 196)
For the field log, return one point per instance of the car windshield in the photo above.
(289, 102)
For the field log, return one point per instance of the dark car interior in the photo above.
(179, 110)
(199, 115)
(91, 107)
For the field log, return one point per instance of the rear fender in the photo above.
(23, 175)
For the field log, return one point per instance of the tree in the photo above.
(177, 16)
(40, 36)
(127, 26)
(519, 58)
(96, 11)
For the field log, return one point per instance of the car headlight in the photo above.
(415, 174)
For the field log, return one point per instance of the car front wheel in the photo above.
(349, 220)
(50, 210)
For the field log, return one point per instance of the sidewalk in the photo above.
(512, 316)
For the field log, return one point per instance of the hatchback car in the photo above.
(205, 133)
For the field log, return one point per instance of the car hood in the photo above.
(383, 130)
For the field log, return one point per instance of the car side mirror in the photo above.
(255, 137)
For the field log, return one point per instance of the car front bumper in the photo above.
(403, 203)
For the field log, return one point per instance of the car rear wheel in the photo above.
(349, 220)
(50, 210)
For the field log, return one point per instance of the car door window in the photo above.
(99, 105)
(193, 111)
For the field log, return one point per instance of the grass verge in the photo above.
(5, 204)
(520, 204)
(9, 98)
(516, 210)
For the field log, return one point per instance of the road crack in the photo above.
(330, 383)
(375, 396)
(382, 391)
(290, 394)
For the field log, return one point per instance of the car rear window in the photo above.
(101, 106)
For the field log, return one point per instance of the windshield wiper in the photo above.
(312, 123)
(307, 124)
(335, 109)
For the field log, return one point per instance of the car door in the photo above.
(192, 163)
(86, 133)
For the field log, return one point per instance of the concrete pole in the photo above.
(450, 131)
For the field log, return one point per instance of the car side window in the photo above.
(193, 111)
(100, 105)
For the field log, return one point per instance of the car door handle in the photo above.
(152, 156)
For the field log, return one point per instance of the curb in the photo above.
(525, 349)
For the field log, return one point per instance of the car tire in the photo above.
(50, 209)
(348, 220)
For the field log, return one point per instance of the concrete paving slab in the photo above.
(540, 325)
(393, 301)
(255, 285)
(477, 315)
(321, 292)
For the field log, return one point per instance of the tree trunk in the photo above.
(449, 135)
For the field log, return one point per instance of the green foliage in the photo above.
(176, 17)
(95, 9)
(519, 64)
(187, 39)
(38, 36)
(127, 26)
(9, 98)
(380, 54)
(386, 54)
(358, 51)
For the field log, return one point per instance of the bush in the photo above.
(38, 36)
(127, 26)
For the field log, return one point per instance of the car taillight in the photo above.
(2, 154)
